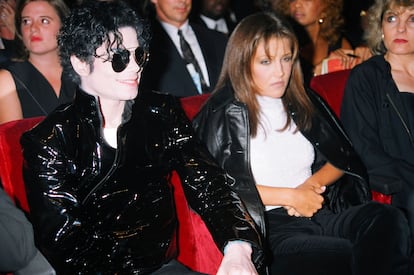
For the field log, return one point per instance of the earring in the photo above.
(320, 21)
(382, 36)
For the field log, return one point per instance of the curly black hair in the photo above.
(89, 26)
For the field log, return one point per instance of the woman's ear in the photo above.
(82, 68)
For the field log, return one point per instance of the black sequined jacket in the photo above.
(122, 220)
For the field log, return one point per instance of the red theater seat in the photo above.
(331, 88)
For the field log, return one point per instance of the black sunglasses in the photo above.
(120, 58)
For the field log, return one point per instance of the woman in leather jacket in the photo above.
(98, 170)
(292, 164)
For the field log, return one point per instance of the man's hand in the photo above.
(237, 259)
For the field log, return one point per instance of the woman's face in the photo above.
(40, 25)
(271, 70)
(306, 12)
(398, 30)
(102, 81)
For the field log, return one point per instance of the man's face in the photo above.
(215, 8)
(107, 84)
(174, 12)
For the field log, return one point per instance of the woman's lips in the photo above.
(35, 39)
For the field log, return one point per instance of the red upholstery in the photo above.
(379, 197)
(331, 88)
(11, 159)
(192, 104)
(197, 249)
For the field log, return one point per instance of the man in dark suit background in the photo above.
(168, 70)
(214, 14)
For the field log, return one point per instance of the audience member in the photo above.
(325, 49)
(18, 253)
(291, 163)
(185, 58)
(215, 15)
(273, 4)
(7, 31)
(377, 109)
(36, 86)
(16, 234)
(97, 171)
(355, 14)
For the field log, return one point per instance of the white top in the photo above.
(110, 136)
(279, 159)
(191, 38)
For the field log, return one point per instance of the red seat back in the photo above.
(11, 159)
(331, 88)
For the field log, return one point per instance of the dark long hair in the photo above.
(236, 69)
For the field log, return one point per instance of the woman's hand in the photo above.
(347, 57)
(363, 52)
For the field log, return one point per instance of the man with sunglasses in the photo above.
(98, 170)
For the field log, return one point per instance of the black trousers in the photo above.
(174, 268)
(367, 239)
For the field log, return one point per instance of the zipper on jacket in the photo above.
(110, 172)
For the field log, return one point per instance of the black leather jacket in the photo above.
(122, 220)
(223, 124)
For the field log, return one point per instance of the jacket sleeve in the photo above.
(16, 236)
(332, 144)
(63, 233)
(204, 184)
(361, 119)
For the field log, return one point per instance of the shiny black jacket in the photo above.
(223, 124)
(123, 221)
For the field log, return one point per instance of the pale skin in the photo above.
(271, 72)
(174, 12)
(40, 25)
(101, 82)
(398, 30)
